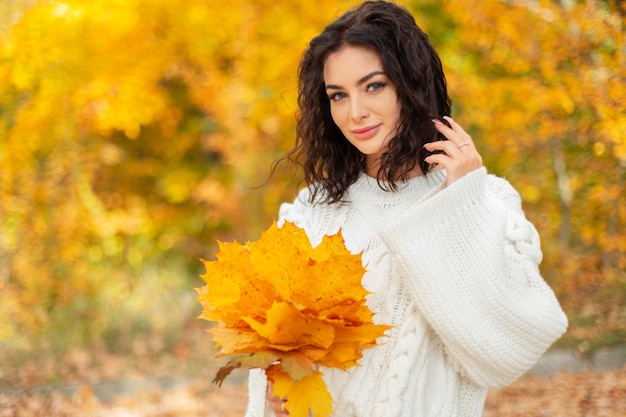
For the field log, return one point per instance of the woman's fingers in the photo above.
(278, 406)
(276, 403)
(455, 133)
(457, 155)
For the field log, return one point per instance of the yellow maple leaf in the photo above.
(299, 393)
(288, 308)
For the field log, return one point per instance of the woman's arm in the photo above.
(257, 397)
(470, 259)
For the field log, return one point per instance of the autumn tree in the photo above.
(135, 132)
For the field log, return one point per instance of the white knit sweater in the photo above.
(455, 271)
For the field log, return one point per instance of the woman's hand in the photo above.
(277, 403)
(460, 156)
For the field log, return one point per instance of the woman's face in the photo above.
(363, 102)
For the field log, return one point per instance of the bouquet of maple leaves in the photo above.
(288, 308)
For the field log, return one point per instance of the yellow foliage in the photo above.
(110, 115)
(542, 87)
(134, 130)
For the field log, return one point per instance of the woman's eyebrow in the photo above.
(358, 83)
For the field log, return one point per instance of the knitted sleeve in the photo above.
(257, 387)
(469, 259)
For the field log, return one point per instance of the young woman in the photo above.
(452, 263)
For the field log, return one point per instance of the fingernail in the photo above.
(448, 118)
(435, 121)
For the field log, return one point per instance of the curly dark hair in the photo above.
(331, 164)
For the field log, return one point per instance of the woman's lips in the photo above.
(366, 132)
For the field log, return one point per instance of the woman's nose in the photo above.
(358, 109)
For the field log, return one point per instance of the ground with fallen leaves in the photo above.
(597, 394)
(150, 382)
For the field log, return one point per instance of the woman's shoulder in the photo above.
(308, 201)
(313, 195)
(503, 189)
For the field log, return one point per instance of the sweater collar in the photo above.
(367, 188)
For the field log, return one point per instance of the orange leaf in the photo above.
(287, 328)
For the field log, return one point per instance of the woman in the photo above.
(452, 263)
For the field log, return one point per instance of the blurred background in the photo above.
(136, 133)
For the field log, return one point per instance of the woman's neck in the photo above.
(372, 168)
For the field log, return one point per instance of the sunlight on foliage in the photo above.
(132, 133)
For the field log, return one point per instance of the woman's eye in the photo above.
(375, 86)
(337, 96)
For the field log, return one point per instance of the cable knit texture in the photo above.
(455, 271)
